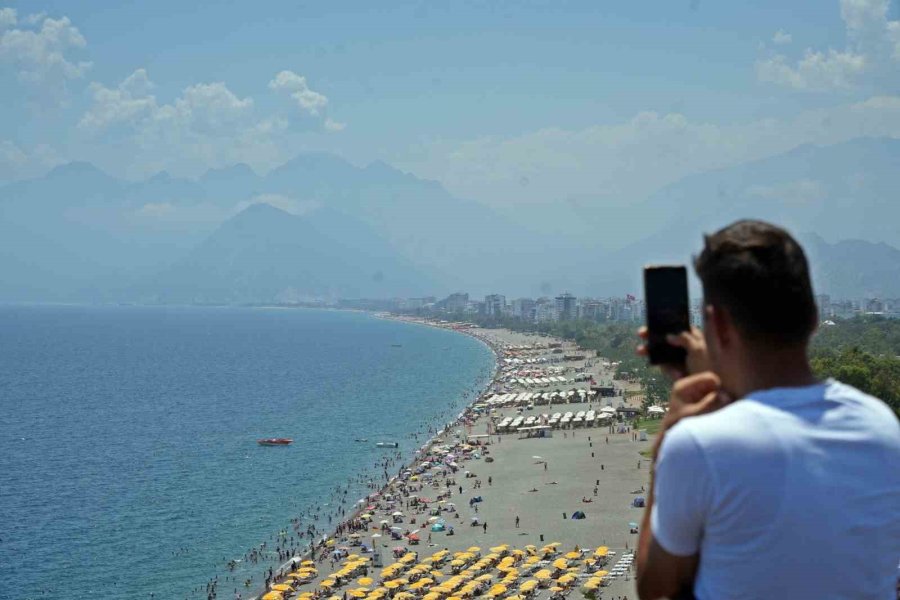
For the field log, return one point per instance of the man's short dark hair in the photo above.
(759, 274)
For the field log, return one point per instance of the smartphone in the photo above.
(666, 296)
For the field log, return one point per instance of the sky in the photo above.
(517, 105)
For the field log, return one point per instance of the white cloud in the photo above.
(7, 17)
(618, 163)
(815, 71)
(331, 125)
(308, 100)
(41, 56)
(35, 18)
(872, 52)
(128, 101)
(781, 38)
(207, 125)
(17, 162)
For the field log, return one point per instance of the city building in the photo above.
(544, 310)
(523, 308)
(457, 302)
(495, 305)
(565, 307)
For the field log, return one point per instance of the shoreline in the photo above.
(469, 415)
(287, 566)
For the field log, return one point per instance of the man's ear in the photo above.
(722, 326)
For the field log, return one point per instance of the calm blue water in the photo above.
(128, 455)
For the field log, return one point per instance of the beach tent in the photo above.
(638, 502)
(578, 515)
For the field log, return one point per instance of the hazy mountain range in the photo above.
(320, 227)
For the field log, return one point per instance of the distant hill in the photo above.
(79, 234)
(853, 269)
(264, 254)
(843, 191)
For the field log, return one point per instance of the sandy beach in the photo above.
(528, 488)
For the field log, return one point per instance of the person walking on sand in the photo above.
(517, 521)
(484, 525)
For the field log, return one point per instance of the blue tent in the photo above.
(639, 502)
(578, 515)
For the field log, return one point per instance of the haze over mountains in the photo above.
(319, 227)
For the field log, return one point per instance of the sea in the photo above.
(129, 463)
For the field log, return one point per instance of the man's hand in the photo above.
(694, 344)
(660, 574)
(692, 395)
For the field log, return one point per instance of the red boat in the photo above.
(275, 442)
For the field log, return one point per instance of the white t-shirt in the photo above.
(789, 493)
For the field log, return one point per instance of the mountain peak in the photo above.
(231, 172)
(77, 169)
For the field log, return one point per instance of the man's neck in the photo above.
(766, 369)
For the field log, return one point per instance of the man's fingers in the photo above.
(642, 332)
(695, 387)
(684, 340)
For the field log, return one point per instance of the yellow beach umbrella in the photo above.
(307, 563)
(272, 596)
(601, 573)
(326, 583)
(556, 588)
(542, 574)
(497, 590)
(474, 549)
(365, 581)
(431, 596)
(356, 593)
(282, 587)
(560, 563)
(572, 555)
(436, 573)
(601, 551)
(501, 548)
(329, 543)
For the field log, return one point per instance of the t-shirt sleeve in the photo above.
(682, 493)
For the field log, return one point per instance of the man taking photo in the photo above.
(767, 482)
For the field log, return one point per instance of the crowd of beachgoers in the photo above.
(409, 500)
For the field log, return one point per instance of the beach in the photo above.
(528, 489)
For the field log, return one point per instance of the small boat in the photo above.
(361, 439)
(275, 442)
(387, 445)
